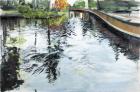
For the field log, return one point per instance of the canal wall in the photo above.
(123, 27)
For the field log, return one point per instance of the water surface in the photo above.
(79, 56)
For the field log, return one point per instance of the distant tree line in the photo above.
(43, 4)
(82, 3)
(117, 5)
(108, 5)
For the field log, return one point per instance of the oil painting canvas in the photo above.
(69, 45)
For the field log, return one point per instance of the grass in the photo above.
(9, 12)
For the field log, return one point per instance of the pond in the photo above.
(80, 55)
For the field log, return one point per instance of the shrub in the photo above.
(24, 9)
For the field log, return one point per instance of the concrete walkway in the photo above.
(133, 17)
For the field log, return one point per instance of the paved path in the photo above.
(134, 17)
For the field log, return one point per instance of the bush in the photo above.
(24, 9)
(79, 4)
(92, 4)
(29, 12)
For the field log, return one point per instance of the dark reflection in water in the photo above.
(50, 60)
(44, 51)
(49, 65)
(7, 25)
(10, 70)
(130, 48)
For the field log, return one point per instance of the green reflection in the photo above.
(16, 41)
(57, 20)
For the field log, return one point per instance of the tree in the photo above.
(61, 4)
(41, 4)
(22, 2)
(92, 4)
(118, 5)
(98, 5)
(79, 4)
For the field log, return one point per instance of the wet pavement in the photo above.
(79, 56)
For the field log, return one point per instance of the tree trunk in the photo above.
(98, 5)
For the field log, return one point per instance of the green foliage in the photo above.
(40, 4)
(2, 3)
(92, 4)
(79, 4)
(29, 12)
(16, 41)
(24, 9)
(112, 5)
(57, 21)
(36, 14)
(10, 12)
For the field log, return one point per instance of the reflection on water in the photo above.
(10, 70)
(80, 55)
(130, 48)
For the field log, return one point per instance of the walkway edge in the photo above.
(111, 25)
